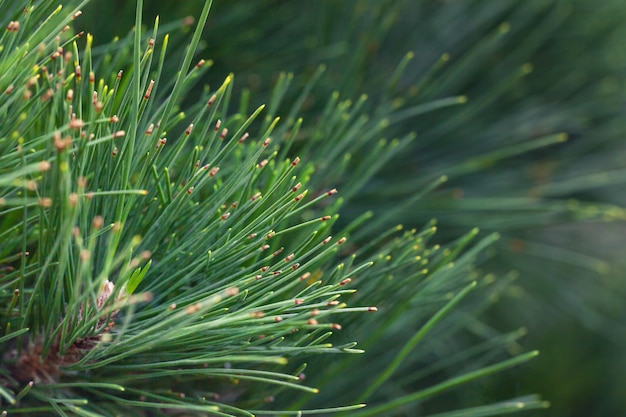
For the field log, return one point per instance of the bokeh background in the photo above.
(529, 69)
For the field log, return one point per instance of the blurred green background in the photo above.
(528, 68)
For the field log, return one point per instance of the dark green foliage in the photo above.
(550, 203)
(530, 70)
(503, 116)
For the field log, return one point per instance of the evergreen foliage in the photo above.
(535, 72)
(170, 234)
